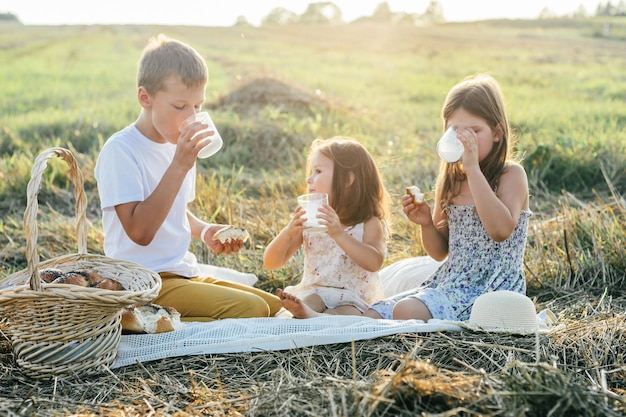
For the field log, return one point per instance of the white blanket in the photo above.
(261, 334)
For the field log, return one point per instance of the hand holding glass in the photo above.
(216, 140)
(311, 203)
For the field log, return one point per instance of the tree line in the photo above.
(609, 9)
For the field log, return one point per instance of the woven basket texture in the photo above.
(62, 328)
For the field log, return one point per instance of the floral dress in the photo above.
(476, 264)
(333, 275)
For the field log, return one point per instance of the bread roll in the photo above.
(414, 191)
(93, 277)
(150, 318)
(73, 278)
(230, 233)
(50, 274)
(109, 284)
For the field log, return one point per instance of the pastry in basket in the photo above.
(82, 277)
(93, 277)
(95, 280)
(73, 278)
(150, 318)
(50, 274)
(230, 233)
(90, 275)
(414, 191)
(109, 284)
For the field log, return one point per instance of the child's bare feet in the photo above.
(296, 306)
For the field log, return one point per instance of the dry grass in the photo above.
(575, 370)
(259, 93)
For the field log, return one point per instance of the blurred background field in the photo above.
(273, 89)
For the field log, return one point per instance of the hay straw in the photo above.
(575, 370)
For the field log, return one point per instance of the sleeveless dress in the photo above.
(476, 264)
(331, 274)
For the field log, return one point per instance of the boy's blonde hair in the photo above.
(366, 197)
(481, 96)
(164, 57)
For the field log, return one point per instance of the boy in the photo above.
(146, 177)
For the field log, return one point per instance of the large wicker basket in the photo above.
(62, 328)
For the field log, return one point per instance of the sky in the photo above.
(226, 12)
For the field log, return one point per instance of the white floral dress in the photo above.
(333, 275)
(476, 264)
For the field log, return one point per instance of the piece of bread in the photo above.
(73, 278)
(90, 275)
(414, 191)
(109, 284)
(150, 318)
(50, 274)
(82, 277)
(230, 233)
(95, 280)
(93, 277)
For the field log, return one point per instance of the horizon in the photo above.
(201, 13)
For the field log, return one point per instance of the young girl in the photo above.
(341, 264)
(480, 216)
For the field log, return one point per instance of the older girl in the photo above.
(480, 217)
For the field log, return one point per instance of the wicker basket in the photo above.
(62, 328)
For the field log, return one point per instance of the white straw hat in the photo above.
(504, 311)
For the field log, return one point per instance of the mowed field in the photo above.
(273, 90)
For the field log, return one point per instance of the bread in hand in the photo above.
(414, 191)
(150, 318)
(230, 233)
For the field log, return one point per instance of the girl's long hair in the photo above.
(366, 196)
(481, 96)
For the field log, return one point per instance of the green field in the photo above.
(273, 90)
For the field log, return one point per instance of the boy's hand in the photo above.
(232, 246)
(226, 248)
(188, 145)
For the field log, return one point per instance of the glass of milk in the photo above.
(449, 148)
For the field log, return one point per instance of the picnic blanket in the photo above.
(280, 333)
(262, 334)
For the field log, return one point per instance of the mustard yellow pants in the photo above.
(208, 299)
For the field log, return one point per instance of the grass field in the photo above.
(272, 91)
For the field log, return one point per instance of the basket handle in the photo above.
(32, 207)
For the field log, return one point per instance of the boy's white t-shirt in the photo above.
(129, 168)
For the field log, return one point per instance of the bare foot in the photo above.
(296, 306)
